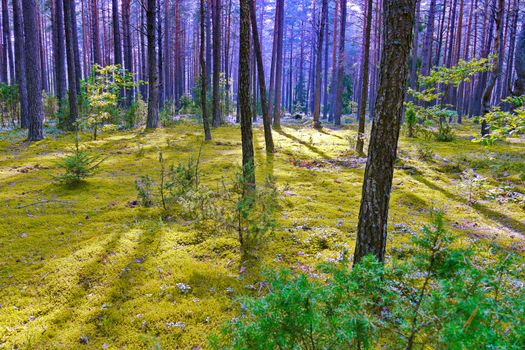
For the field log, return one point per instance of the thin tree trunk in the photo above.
(340, 67)
(153, 93)
(20, 60)
(205, 120)
(71, 69)
(278, 66)
(317, 93)
(216, 103)
(59, 50)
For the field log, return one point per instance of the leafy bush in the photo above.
(440, 298)
(425, 153)
(411, 121)
(77, 166)
(144, 186)
(9, 104)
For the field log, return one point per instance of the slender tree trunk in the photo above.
(59, 49)
(34, 89)
(364, 87)
(153, 86)
(7, 40)
(317, 93)
(95, 33)
(340, 67)
(20, 59)
(487, 93)
(216, 103)
(519, 63)
(128, 55)
(248, 166)
(398, 16)
(278, 66)
(267, 122)
(205, 120)
(71, 69)
(117, 48)
(428, 41)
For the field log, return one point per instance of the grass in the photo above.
(82, 268)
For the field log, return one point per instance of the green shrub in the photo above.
(425, 152)
(77, 166)
(442, 297)
(411, 121)
(144, 186)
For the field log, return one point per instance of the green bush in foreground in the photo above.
(77, 166)
(442, 297)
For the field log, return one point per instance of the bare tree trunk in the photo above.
(117, 48)
(317, 93)
(429, 39)
(34, 89)
(205, 120)
(279, 66)
(398, 16)
(128, 55)
(248, 167)
(20, 60)
(340, 67)
(487, 93)
(97, 55)
(364, 87)
(267, 122)
(216, 103)
(59, 49)
(153, 86)
(71, 69)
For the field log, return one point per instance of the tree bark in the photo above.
(59, 50)
(364, 86)
(428, 41)
(153, 95)
(128, 54)
(279, 65)
(205, 120)
(340, 67)
(248, 167)
(117, 44)
(216, 103)
(71, 68)
(20, 60)
(267, 122)
(34, 89)
(398, 16)
(318, 63)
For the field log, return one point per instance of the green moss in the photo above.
(84, 262)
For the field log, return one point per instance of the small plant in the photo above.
(472, 185)
(425, 153)
(78, 166)
(144, 186)
(411, 122)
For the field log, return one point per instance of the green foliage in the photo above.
(135, 115)
(9, 102)
(166, 114)
(505, 124)
(77, 166)
(101, 91)
(425, 152)
(440, 297)
(144, 187)
(411, 121)
(472, 185)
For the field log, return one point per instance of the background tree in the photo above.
(204, 108)
(153, 96)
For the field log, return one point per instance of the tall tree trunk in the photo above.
(216, 103)
(71, 68)
(97, 55)
(7, 40)
(487, 93)
(398, 16)
(153, 86)
(59, 50)
(205, 120)
(34, 89)
(128, 55)
(364, 86)
(117, 44)
(248, 166)
(340, 67)
(78, 69)
(267, 122)
(279, 66)
(317, 93)
(429, 39)
(519, 63)
(20, 60)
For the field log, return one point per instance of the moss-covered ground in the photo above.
(85, 267)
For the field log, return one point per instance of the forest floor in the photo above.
(86, 267)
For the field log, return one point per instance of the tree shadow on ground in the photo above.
(304, 143)
(488, 213)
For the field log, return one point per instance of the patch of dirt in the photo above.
(27, 169)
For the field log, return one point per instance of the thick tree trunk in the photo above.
(71, 68)
(317, 93)
(153, 86)
(364, 86)
(34, 89)
(205, 119)
(398, 16)
(248, 167)
(519, 64)
(340, 67)
(117, 44)
(20, 60)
